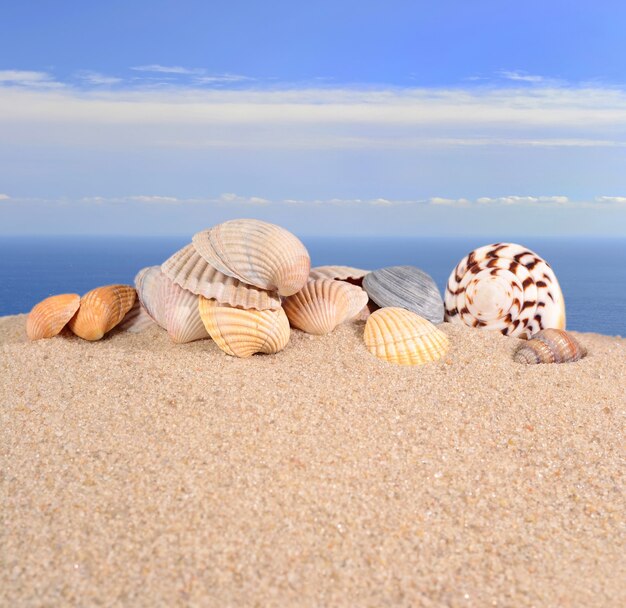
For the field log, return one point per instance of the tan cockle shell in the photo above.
(323, 304)
(172, 307)
(505, 287)
(550, 346)
(338, 273)
(242, 333)
(137, 319)
(51, 315)
(400, 336)
(192, 272)
(101, 309)
(257, 253)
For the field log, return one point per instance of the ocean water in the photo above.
(592, 273)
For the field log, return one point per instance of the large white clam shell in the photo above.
(257, 253)
(505, 287)
(192, 272)
(323, 304)
(172, 307)
(400, 336)
(242, 333)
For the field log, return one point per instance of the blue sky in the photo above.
(408, 118)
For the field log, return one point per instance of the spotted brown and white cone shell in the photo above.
(323, 304)
(175, 309)
(257, 253)
(101, 309)
(338, 273)
(550, 346)
(51, 315)
(192, 272)
(505, 287)
(403, 337)
(242, 333)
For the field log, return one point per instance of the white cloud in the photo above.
(28, 78)
(164, 69)
(523, 200)
(154, 199)
(449, 202)
(4, 197)
(520, 76)
(96, 78)
(612, 200)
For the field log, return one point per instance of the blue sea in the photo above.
(592, 273)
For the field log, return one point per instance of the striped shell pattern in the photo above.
(505, 287)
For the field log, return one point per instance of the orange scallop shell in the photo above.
(51, 315)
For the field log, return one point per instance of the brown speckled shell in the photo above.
(550, 346)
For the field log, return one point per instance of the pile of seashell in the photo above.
(244, 283)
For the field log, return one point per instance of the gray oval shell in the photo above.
(407, 287)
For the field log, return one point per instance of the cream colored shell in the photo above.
(192, 272)
(242, 333)
(339, 273)
(400, 336)
(101, 309)
(51, 315)
(257, 253)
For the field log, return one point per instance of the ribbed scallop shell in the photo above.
(550, 346)
(338, 273)
(257, 253)
(400, 336)
(136, 320)
(242, 333)
(405, 287)
(101, 309)
(172, 307)
(51, 315)
(505, 287)
(323, 304)
(192, 272)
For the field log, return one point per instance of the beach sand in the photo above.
(139, 472)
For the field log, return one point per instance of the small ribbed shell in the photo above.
(507, 288)
(323, 304)
(400, 336)
(338, 273)
(550, 346)
(136, 320)
(257, 253)
(101, 309)
(405, 287)
(242, 333)
(51, 315)
(192, 272)
(172, 307)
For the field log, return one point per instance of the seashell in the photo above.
(366, 311)
(51, 315)
(323, 304)
(405, 287)
(257, 253)
(400, 336)
(550, 346)
(242, 333)
(175, 309)
(136, 320)
(505, 287)
(101, 309)
(338, 273)
(192, 272)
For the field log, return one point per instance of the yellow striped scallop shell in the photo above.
(242, 333)
(400, 336)
(505, 287)
(51, 315)
(323, 304)
(101, 309)
(257, 253)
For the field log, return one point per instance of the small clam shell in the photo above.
(323, 304)
(400, 336)
(175, 309)
(339, 273)
(550, 346)
(192, 272)
(101, 309)
(136, 320)
(405, 287)
(507, 288)
(242, 333)
(257, 253)
(51, 315)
